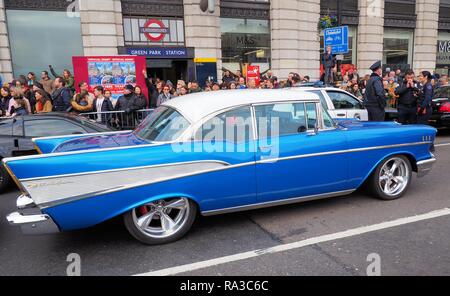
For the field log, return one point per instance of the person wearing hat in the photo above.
(128, 103)
(375, 99)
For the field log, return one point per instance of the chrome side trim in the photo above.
(127, 169)
(277, 203)
(80, 135)
(425, 166)
(271, 160)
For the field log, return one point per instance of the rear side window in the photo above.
(6, 127)
(323, 101)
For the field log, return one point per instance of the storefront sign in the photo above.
(159, 52)
(253, 72)
(144, 31)
(443, 52)
(111, 72)
(154, 30)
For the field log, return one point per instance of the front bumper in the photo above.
(425, 166)
(30, 218)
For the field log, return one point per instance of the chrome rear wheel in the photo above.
(161, 221)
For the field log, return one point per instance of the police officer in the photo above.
(375, 98)
(408, 97)
(426, 96)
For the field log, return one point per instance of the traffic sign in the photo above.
(337, 38)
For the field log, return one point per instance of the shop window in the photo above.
(397, 49)
(41, 38)
(245, 41)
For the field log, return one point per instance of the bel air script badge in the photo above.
(47, 184)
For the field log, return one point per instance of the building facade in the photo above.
(197, 39)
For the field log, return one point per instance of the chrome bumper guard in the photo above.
(425, 166)
(30, 218)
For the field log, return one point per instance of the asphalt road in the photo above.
(416, 248)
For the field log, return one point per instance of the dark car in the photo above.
(16, 134)
(441, 108)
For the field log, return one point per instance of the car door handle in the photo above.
(341, 114)
(265, 148)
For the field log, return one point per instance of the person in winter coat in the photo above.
(5, 97)
(165, 96)
(128, 103)
(43, 102)
(425, 109)
(61, 96)
(142, 101)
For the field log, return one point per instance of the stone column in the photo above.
(5, 52)
(202, 32)
(101, 26)
(425, 35)
(295, 39)
(370, 34)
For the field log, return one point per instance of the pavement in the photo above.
(308, 238)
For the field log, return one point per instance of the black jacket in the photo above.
(375, 94)
(406, 95)
(61, 99)
(152, 93)
(128, 103)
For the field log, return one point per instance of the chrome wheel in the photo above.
(162, 218)
(394, 176)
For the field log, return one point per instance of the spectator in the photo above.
(43, 102)
(194, 87)
(242, 84)
(355, 91)
(67, 76)
(101, 105)
(306, 79)
(142, 100)
(61, 96)
(329, 63)
(251, 83)
(180, 85)
(215, 87)
(46, 82)
(128, 103)
(227, 77)
(19, 105)
(153, 91)
(82, 102)
(232, 85)
(31, 79)
(84, 87)
(165, 96)
(184, 91)
(5, 97)
(443, 81)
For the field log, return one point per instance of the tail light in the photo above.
(445, 108)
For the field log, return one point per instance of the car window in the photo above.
(323, 101)
(281, 119)
(233, 126)
(51, 127)
(327, 120)
(311, 113)
(6, 127)
(344, 101)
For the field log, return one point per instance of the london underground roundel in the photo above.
(155, 30)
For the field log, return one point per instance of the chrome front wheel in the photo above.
(162, 221)
(392, 177)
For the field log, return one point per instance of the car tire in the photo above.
(161, 222)
(5, 179)
(391, 178)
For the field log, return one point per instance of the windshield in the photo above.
(163, 125)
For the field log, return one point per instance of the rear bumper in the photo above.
(440, 120)
(30, 218)
(425, 166)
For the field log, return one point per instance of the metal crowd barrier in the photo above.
(119, 119)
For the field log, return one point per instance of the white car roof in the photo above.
(198, 105)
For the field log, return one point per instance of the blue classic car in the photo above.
(213, 153)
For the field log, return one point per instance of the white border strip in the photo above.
(443, 144)
(297, 245)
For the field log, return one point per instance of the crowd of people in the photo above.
(28, 95)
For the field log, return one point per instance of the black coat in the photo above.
(406, 95)
(375, 94)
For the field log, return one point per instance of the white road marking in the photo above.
(440, 145)
(296, 245)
